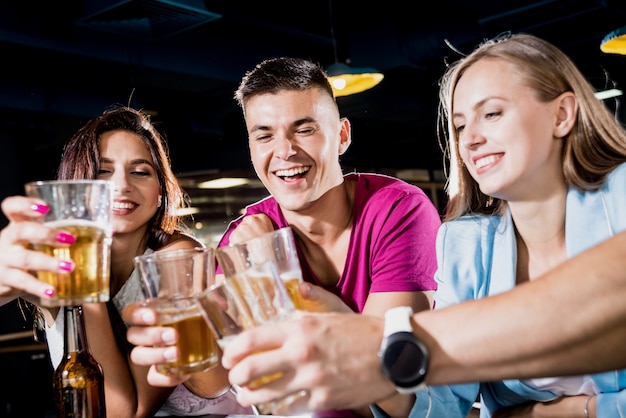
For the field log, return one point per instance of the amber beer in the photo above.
(223, 300)
(277, 246)
(261, 300)
(170, 279)
(196, 343)
(261, 297)
(89, 282)
(251, 297)
(291, 284)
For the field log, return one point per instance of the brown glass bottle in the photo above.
(78, 380)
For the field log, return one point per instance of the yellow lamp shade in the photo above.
(346, 81)
(615, 42)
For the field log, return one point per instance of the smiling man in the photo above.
(365, 240)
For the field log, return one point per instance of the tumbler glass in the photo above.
(251, 297)
(170, 280)
(84, 209)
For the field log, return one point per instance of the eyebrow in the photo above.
(294, 124)
(478, 105)
(132, 162)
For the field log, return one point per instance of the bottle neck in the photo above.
(75, 336)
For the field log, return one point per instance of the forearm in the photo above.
(377, 304)
(523, 327)
(517, 334)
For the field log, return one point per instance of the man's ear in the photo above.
(345, 138)
(567, 113)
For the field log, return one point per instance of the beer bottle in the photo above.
(78, 380)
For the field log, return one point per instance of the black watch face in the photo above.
(404, 360)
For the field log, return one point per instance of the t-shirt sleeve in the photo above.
(403, 252)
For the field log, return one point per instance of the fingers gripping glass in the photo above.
(249, 298)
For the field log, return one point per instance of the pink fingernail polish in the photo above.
(43, 209)
(66, 265)
(66, 238)
(49, 292)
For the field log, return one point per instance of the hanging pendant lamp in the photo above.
(615, 42)
(344, 79)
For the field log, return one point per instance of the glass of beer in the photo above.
(278, 246)
(84, 209)
(170, 280)
(250, 297)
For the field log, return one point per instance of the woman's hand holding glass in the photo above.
(153, 343)
(18, 260)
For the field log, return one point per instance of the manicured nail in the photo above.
(43, 209)
(170, 354)
(65, 238)
(49, 292)
(147, 317)
(168, 337)
(66, 265)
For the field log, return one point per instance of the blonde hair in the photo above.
(593, 148)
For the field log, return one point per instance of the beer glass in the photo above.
(84, 209)
(170, 279)
(248, 298)
(278, 246)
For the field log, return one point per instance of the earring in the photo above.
(159, 201)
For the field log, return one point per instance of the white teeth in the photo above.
(485, 161)
(121, 205)
(291, 172)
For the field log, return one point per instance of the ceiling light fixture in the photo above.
(608, 94)
(344, 79)
(347, 80)
(615, 42)
(187, 211)
(223, 183)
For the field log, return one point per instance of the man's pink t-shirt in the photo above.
(392, 245)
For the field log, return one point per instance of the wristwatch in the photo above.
(403, 357)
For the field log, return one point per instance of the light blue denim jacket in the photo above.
(477, 257)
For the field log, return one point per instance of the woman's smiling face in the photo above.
(126, 161)
(505, 134)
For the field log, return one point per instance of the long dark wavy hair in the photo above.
(81, 160)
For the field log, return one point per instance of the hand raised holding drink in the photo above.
(170, 279)
(253, 296)
(82, 208)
